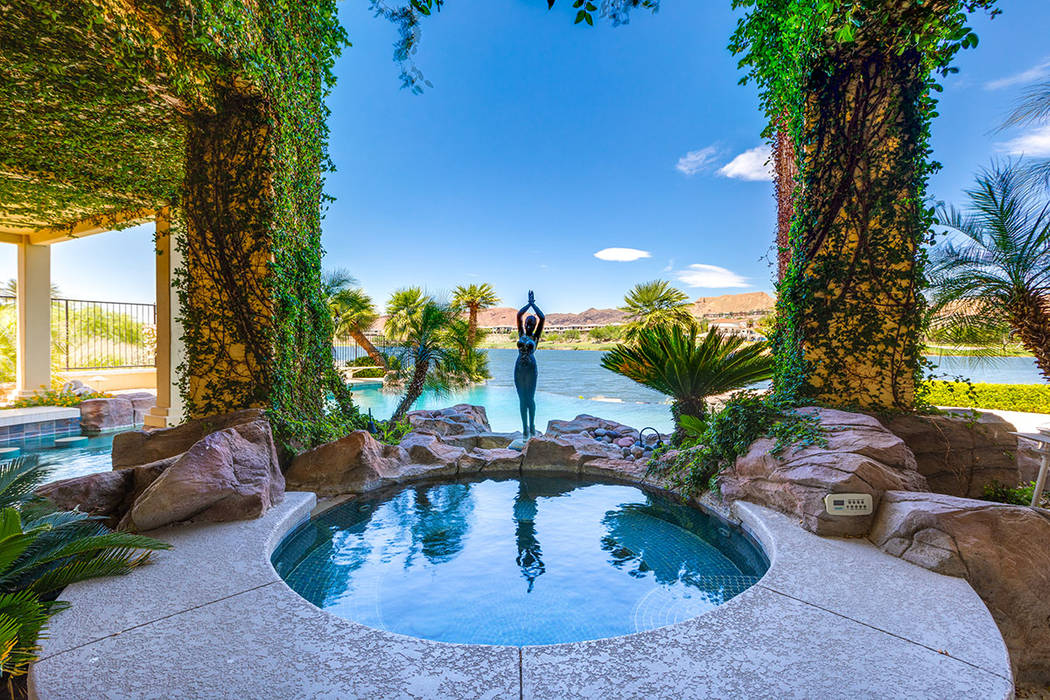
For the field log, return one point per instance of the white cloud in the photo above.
(1034, 143)
(753, 165)
(621, 254)
(1036, 72)
(710, 276)
(695, 161)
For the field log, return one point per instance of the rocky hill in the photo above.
(703, 307)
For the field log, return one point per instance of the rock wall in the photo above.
(960, 452)
(861, 456)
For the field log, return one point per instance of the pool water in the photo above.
(535, 560)
(90, 457)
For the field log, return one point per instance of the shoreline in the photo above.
(930, 351)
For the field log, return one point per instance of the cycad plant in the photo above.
(43, 550)
(472, 298)
(656, 303)
(431, 356)
(993, 269)
(675, 361)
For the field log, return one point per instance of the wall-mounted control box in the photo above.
(848, 503)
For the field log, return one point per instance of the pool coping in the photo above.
(211, 618)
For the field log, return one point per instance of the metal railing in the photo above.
(89, 334)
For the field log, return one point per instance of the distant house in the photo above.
(742, 328)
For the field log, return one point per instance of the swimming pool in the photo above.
(90, 457)
(517, 561)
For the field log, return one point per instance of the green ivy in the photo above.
(813, 60)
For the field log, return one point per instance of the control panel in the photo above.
(848, 503)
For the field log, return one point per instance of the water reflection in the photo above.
(530, 554)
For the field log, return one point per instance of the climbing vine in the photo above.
(847, 87)
(215, 107)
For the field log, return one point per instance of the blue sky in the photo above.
(542, 143)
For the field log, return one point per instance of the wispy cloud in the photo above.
(621, 254)
(670, 265)
(695, 161)
(1036, 72)
(753, 165)
(700, 275)
(1034, 143)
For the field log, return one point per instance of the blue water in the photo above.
(66, 462)
(536, 560)
(572, 382)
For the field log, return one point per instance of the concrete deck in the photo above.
(831, 618)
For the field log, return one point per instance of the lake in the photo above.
(572, 382)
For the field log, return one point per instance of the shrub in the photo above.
(366, 361)
(1030, 398)
(1020, 496)
(53, 397)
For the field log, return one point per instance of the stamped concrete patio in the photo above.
(211, 618)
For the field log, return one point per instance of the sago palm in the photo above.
(472, 298)
(994, 268)
(675, 361)
(656, 303)
(42, 551)
(403, 306)
(430, 357)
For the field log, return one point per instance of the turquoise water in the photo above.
(66, 462)
(536, 560)
(572, 382)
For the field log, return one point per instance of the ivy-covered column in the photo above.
(847, 87)
(860, 226)
(224, 285)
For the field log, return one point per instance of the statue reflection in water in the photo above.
(530, 555)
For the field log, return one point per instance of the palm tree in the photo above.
(472, 299)
(403, 305)
(655, 303)
(995, 271)
(1034, 108)
(352, 310)
(430, 357)
(670, 359)
(352, 314)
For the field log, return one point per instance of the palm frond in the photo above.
(19, 479)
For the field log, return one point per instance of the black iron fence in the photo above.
(347, 351)
(96, 334)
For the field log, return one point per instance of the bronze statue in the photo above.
(525, 370)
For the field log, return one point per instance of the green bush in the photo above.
(57, 398)
(1020, 496)
(607, 334)
(1030, 398)
(366, 361)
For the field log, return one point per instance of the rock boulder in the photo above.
(352, 464)
(230, 474)
(456, 420)
(861, 457)
(1003, 551)
(960, 452)
(550, 453)
(500, 460)
(137, 447)
(584, 423)
(97, 415)
(98, 494)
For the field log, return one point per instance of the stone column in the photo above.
(34, 319)
(168, 410)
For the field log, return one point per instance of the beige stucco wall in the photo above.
(114, 379)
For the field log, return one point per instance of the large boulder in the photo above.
(456, 420)
(588, 448)
(485, 441)
(100, 494)
(1003, 551)
(584, 423)
(961, 451)
(141, 403)
(137, 447)
(352, 464)
(627, 469)
(861, 456)
(550, 454)
(498, 460)
(428, 450)
(230, 474)
(97, 415)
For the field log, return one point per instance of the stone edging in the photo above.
(211, 618)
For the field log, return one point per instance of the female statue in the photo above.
(525, 370)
